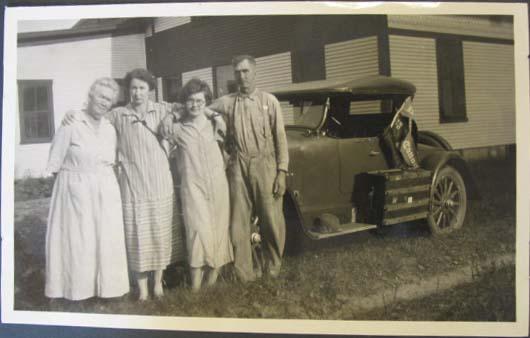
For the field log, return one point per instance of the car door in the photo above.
(358, 155)
(359, 146)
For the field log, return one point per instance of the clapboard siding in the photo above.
(72, 65)
(489, 86)
(274, 71)
(490, 94)
(162, 24)
(353, 59)
(128, 52)
(453, 24)
(214, 40)
(205, 74)
(414, 59)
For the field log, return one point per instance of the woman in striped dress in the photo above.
(153, 231)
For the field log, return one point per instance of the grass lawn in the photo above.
(322, 281)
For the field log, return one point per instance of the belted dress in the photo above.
(85, 244)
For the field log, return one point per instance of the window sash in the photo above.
(451, 83)
(36, 117)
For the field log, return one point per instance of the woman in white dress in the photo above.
(204, 187)
(85, 243)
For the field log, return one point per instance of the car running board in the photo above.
(343, 229)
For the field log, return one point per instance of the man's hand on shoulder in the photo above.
(70, 117)
(219, 122)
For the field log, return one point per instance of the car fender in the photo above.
(436, 160)
(295, 226)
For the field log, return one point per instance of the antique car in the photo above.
(340, 181)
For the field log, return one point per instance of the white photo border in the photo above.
(519, 12)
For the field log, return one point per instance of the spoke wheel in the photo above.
(448, 203)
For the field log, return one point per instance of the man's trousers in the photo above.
(251, 182)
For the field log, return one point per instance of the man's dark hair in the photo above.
(140, 74)
(240, 58)
(195, 86)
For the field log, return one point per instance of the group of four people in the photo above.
(98, 229)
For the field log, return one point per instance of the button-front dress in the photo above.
(153, 230)
(85, 245)
(204, 194)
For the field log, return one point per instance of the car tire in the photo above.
(448, 202)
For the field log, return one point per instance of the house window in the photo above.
(122, 98)
(308, 64)
(36, 111)
(224, 80)
(451, 85)
(170, 88)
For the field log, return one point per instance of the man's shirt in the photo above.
(255, 125)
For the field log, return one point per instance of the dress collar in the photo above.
(149, 109)
(83, 117)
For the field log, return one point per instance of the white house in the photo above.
(55, 70)
(462, 66)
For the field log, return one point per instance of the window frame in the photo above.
(450, 67)
(21, 86)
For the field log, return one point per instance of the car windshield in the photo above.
(303, 112)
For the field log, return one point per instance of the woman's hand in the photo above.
(279, 184)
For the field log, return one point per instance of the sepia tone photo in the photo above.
(346, 167)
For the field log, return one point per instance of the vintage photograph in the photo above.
(346, 167)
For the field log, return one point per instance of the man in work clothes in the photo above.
(257, 145)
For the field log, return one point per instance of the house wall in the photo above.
(127, 53)
(72, 64)
(489, 87)
(490, 95)
(354, 59)
(354, 46)
(213, 41)
(204, 74)
(488, 74)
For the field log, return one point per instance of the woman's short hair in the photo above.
(195, 86)
(140, 74)
(108, 83)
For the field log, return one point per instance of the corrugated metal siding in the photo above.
(162, 24)
(128, 52)
(453, 24)
(353, 59)
(489, 81)
(273, 71)
(73, 66)
(205, 74)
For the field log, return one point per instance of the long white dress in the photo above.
(204, 194)
(85, 242)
